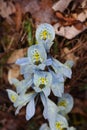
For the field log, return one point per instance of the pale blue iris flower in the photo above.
(50, 109)
(60, 123)
(42, 82)
(65, 103)
(56, 121)
(51, 113)
(21, 100)
(43, 74)
(37, 59)
(45, 34)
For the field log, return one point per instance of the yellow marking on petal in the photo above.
(58, 126)
(43, 80)
(62, 103)
(13, 98)
(44, 34)
(36, 55)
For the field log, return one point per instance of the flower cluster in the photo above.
(43, 74)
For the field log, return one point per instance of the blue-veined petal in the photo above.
(52, 110)
(61, 68)
(49, 61)
(26, 69)
(57, 85)
(58, 88)
(66, 102)
(60, 123)
(22, 61)
(47, 91)
(22, 100)
(30, 110)
(12, 95)
(44, 101)
(59, 77)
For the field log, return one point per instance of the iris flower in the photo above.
(21, 100)
(36, 59)
(56, 121)
(42, 82)
(45, 34)
(59, 124)
(65, 103)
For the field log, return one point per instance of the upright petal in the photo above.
(45, 34)
(60, 123)
(65, 102)
(37, 54)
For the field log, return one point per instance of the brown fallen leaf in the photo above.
(7, 9)
(84, 4)
(14, 71)
(68, 32)
(61, 5)
(78, 25)
(82, 16)
(66, 21)
(70, 25)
